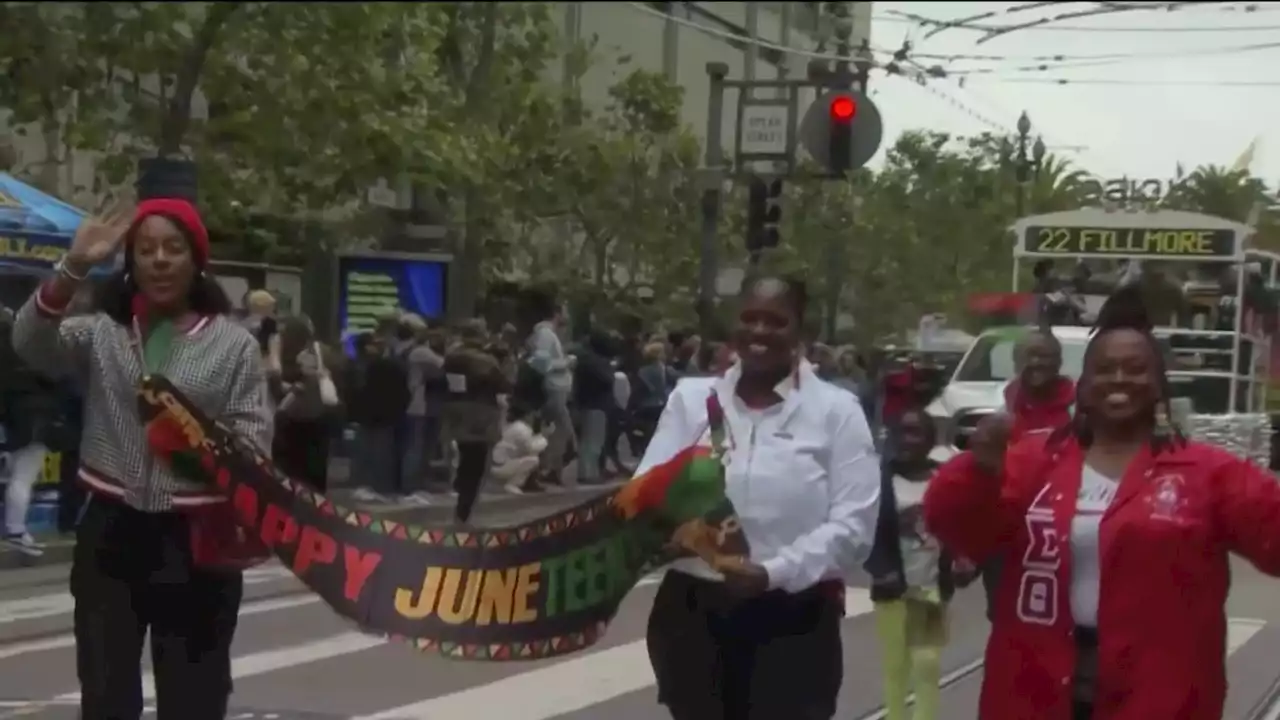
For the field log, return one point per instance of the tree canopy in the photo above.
(293, 110)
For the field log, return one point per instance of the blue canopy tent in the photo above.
(35, 228)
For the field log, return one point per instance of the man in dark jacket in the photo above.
(377, 403)
(472, 413)
(593, 392)
(31, 414)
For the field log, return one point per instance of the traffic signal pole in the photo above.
(769, 128)
(709, 251)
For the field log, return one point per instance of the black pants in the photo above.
(301, 450)
(773, 657)
(1085, 681)
(132, 572)
(472, 459)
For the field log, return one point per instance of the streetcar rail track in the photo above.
(955, 677)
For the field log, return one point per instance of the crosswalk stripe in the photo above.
(278, 659)
(61, 603)
(67, 640)
(572, 684)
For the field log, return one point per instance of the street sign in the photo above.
(765, 129)
(867, 127)
(382, 196)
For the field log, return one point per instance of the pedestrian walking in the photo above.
(156, 553)
(1116, 534)
(761, 638)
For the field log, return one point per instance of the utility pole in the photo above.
(841, 15)
(712, 177)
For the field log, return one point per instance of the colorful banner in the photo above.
(530, 591)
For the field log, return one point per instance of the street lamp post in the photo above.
(1025, 166)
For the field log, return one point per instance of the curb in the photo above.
(20, 571)
(57, 553)
(499, 504)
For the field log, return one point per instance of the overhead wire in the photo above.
(1162, 82)
(897, 16)
(993, 31)
(916, 79)
(1118, 60)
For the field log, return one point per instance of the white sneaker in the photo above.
(514, 489)
(364, 494)
(24, 544)
(418, 499)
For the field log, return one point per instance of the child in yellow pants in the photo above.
(911, 575)
(912, 632)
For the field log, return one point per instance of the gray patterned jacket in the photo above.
(216, 363)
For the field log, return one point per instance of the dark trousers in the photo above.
(301, 450)
(775, 656)
(132, 572)
(1085, 681)
(473, 457)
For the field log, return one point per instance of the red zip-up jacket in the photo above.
(1164, 545)
(1039, 415)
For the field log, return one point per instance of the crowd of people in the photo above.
(1102, 533)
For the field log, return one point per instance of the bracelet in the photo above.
(65, 270)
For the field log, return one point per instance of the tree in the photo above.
(922, 233)
(632, 200)
(289, 128)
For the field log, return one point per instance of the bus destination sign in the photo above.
(1128, 242)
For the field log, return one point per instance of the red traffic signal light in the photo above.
(843, 108)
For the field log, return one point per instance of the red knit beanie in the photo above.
(185, 214)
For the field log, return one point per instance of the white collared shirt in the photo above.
(803, 474)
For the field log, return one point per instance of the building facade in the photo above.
(680, 38)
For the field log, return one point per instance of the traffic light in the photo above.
(764, 212)
(842, 110)
(842, 131)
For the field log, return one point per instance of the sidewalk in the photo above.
(493, 507)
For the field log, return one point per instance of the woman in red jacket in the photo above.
(1039, 400)
(1118, 495)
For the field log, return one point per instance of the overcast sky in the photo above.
(1170, 104)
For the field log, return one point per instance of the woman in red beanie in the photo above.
(151, 551)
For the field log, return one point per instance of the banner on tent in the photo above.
(29, 250)
(535, 590)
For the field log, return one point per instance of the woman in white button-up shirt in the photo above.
(761, 641)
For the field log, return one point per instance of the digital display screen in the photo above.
(1128, 242)
(373, 286)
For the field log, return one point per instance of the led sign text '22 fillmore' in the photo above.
(1128, 242)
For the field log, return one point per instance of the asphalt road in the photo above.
(295, 660)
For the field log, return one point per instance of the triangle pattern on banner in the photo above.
(436, 537)
(492, 540)
(525, 533)
(500, 652)
(352, 519)
(326, 508)
(462, 539)
(526, 650)
(398, 532)
(450, 540)
(365, 519)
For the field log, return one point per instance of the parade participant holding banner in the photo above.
(759, 637)
(155, 551)
(1113, 530)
